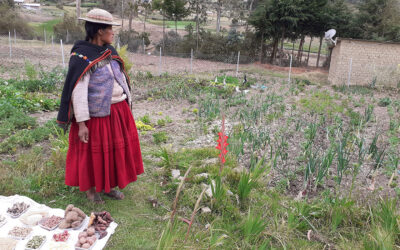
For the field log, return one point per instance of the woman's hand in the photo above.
(83, 132)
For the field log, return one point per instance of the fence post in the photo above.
(62, 53)
(160, 66)
(15, 37)
(45, 37)
(349, 76)
(290, 67)
(191, 61)
(9, 40)
(237, 65)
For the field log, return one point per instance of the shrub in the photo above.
(133, 39)
(69, 27)
(124, 55)
(10, 20)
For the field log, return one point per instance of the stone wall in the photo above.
(370, 62)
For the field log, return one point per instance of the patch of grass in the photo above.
(160, 137)
(27, 138)
(320, 102)
(354, 89)
(171, 24)
(48, 26)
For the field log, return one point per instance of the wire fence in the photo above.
(50, 52)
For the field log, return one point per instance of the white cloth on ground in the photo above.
(6, 202)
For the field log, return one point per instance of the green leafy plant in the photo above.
(385, 101)
(160, 137)
(252, 227)
(30, 71)
(161, 122)
(146, 119)
(217, 189)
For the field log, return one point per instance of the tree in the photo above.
(147, 8)
(199, 7)
(222, 6)
(277, 19)
(132, 9)
(334, 15)
(176, 10)
(379, 20)
(259, 20)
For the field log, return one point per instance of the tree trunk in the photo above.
(163, 30)
(319, 50)
(274, 50)
(218, 16)
(122, 14)
(262, 49)
(197, 26)
(78, 9)
(309, 49)
(250, 8)
(130, 20)
(145, 19)
(281, 55)
(299, 53)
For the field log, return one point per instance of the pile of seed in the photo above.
(51, 222)
(21, 232)
(35, 242)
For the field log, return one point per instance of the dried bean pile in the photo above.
(35, 242)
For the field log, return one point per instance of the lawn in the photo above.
(309, 166)
(48, 26)
(171, 24)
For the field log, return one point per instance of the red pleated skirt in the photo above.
(111, 158)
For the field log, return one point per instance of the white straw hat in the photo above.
(99, 16)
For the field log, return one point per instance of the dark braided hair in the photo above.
(93, 28)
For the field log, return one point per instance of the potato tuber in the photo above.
(90, 231)
(79, 212)
(64, 224)
(76, 224)
(86, 246)
(82, 240)
(71, 216)
(82, 234)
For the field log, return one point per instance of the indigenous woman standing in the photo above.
(104, 150)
